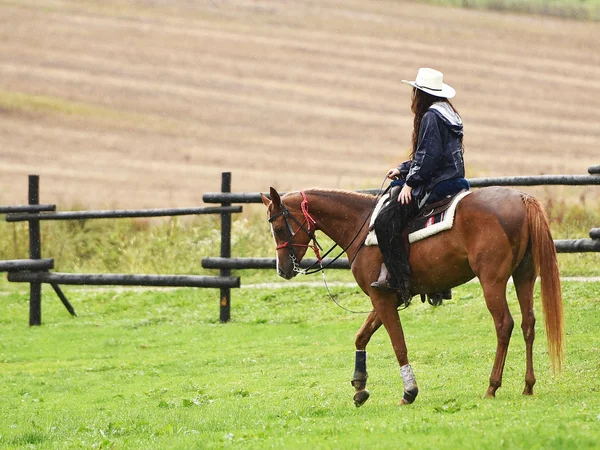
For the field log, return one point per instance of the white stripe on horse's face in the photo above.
(276, 256)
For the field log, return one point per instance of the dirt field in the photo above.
(144, 103)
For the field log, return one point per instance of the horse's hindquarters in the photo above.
(488, 238)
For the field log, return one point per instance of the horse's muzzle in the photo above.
(287, 274)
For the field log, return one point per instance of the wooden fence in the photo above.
(36, 270)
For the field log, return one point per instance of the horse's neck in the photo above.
(340, 214)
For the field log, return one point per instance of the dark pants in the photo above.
(390, 227)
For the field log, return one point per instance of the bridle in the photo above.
(308, 223)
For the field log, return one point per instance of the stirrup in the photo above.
(386, 286)
(382, 282)
(437, 298)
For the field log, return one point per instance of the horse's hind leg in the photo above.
(524, 278)
(494, 291)
(372, 323)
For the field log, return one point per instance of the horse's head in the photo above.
(292, 229)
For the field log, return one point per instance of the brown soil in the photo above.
(145, 103)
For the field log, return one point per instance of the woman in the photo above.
(435, 169)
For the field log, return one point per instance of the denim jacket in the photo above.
(439, 150)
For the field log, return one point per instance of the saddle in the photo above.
(435, 217)
(431, 210)
(431, 219)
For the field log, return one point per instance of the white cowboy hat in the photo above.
(432, 82)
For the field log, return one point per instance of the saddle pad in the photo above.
(427, 223)
(435, 223)
(371, 238)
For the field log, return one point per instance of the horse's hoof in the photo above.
(405, 402)
(409, 397)
(361, 397)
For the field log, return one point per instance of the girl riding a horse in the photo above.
(497, 233)
(435, 169)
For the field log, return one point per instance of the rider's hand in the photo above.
(405, 196)
(393, 174)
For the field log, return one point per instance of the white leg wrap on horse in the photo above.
(408, 377)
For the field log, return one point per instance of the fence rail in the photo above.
(15, 265)
(121, 214)
(577, 245)
(562, 246)
(267, 263)
(26, 209)
(115, 279)
(36, 270)
(540, 180)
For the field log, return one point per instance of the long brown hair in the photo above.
(421, 101)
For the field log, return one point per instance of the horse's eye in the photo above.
(278, 230)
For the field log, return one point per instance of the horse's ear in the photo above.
(275, 198)
(265, 200)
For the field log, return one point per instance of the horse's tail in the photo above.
(544, 257)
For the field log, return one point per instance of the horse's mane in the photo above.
(334, 192)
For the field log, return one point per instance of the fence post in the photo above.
(35, 252)
(225, 313)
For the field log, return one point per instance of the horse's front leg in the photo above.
(359, 381)
(386, 306)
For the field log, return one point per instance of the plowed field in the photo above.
(145, 103)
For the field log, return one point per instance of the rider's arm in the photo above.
(404, 168)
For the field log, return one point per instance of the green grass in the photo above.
(15, 102)
(23, 102)
(571, 9)
(154, 369)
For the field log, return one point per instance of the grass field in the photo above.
(154, 370)
(573, 9)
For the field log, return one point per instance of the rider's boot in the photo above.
(383, 282)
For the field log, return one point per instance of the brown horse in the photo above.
(497, 233)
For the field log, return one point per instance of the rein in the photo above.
(308, 220)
